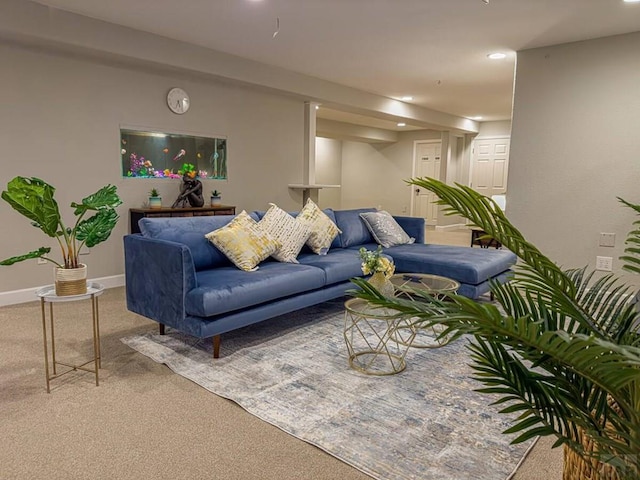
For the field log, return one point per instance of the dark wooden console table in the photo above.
(135, 214)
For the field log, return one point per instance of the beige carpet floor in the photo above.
(143, 421)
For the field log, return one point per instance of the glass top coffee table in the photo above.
(369, 332)
(436, 286)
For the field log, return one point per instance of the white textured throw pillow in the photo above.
(291, 233)
(323, 230)
(384, 229)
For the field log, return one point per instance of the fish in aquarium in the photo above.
(165, 150)
(181, 154)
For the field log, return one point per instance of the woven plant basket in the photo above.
(70, 281)
(578, 468)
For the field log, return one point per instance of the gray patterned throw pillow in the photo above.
(384, 229)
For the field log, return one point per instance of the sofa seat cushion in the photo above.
(463, 264)
(338, 265)
(226, 289)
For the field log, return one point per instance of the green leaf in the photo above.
(33, 198)
(97, 228)
(35, 254)
(562, 351)
(103, 199)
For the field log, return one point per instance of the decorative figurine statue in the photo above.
(190, 193)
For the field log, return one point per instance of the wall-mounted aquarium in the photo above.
(147, 154)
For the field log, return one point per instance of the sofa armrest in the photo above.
(158, 275)
(414, 226)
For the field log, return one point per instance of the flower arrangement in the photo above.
(374, 262)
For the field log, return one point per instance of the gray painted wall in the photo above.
(494, 129)
(575, 146)
(60, 121)
(329, 171)
(373, 174)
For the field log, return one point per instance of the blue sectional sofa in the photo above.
(176, 277)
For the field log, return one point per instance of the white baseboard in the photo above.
(455, 226)
(29, 294)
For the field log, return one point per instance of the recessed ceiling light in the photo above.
(401, 124)
(631, 1)
(496, 56)
(317, 107)
(406, 98)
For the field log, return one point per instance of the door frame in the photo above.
(413, 168)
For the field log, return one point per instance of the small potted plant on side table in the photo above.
(155, 200)
(216, 198)
(33, 198)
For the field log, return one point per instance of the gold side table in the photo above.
(368, 333)
(48, 296)
(406, 284)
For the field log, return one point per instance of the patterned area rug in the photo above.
(292, 371)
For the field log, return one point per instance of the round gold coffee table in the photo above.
(369, 332)
(406, 285)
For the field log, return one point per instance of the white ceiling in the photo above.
(433, 50)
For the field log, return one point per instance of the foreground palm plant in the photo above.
(562, 349)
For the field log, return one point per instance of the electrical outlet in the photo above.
(604, 264)
(41, 261)
(607, 239)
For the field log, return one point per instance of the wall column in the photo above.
(309, 158)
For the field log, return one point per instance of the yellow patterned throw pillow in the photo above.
(244, 242)
(323, 230)
(290, 232)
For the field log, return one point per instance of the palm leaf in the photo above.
(631, 258)
(561, 349)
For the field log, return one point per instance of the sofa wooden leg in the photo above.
(161, 328)
(216, 346)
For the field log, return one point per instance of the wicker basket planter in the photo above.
(576, 467)
(71, 281)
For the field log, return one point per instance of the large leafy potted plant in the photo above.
(561, 349)
(33, 198)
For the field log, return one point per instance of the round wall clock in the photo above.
(178, 101)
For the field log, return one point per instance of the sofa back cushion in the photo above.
(354, 230)
(191, 232)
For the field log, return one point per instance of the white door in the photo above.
(426, 164)
(490, 165)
